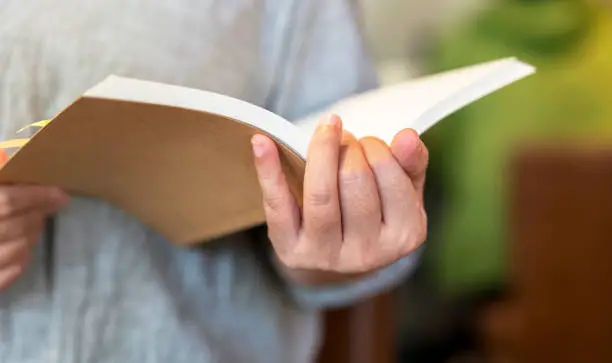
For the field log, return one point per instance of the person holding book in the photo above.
(112, 290)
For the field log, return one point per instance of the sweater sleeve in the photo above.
(348, 293)
(325, 60)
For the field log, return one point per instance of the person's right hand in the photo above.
(23, 211)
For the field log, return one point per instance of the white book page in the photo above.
(133, 90)
(420, 103)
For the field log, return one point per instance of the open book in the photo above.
(180, 159)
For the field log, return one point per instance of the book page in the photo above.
(420, 103)
(135, 90)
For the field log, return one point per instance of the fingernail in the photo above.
(331, 120)
(412, 142)
(258, 145)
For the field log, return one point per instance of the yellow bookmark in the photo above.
(13, 143)
(40, 124)
(17, 143)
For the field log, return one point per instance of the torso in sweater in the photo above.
(121, 293)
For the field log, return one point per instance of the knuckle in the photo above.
(350, 178)
(24, 226)
(10, 252)
(366, 213)
(327, 263)
(366, 264)
(354, 256)
(288, 260)
(12, 228)
(273, 203)
(374, 261)
(295, 258)
(6, 203)
(372, 213)
(404, 237)
(359, 244)
(397, 187)
(412, 239)
(273, 179)
(321, 198)
(321, 224)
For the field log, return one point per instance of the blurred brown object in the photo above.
(561, 252)
(364, 333)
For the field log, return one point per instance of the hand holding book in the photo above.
(181, 161)
(23, 209)
(362, 203)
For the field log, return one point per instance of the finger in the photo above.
(281, 209)
(413, 156)
(28, 224)
(321, 217)
(12, 251)
(398, 197)
(16, 199)
(359, 201)
(9, 274)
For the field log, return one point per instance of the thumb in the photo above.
(3, 156)
(412, 154)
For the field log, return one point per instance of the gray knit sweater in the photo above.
(121, 293)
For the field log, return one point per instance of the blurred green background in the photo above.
(569, 41)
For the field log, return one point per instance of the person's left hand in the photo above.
(362, 204)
